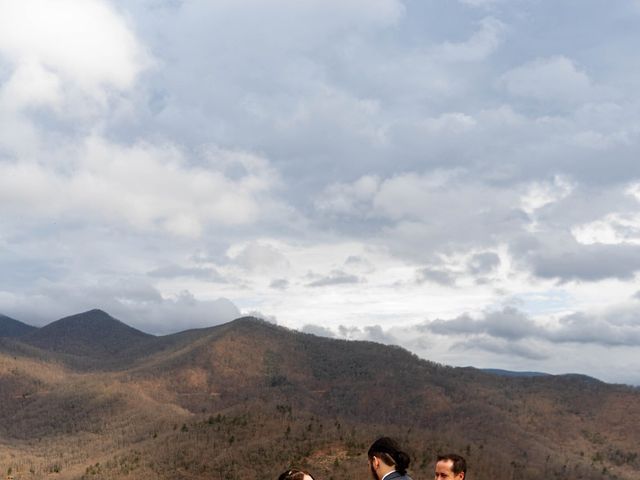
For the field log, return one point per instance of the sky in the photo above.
(457, 177)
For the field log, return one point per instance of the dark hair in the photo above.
(293, 474)
(387, 450)
(459, 463)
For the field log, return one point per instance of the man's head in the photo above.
(450, 467)
(385, 456)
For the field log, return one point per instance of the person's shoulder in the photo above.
(398, 476)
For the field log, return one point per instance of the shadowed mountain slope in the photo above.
(93, 334)
(10, 327)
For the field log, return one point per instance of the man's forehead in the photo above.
(448, 464)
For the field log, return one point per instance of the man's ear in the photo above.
(460, 476)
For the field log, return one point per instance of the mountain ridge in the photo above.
(246, 398)
(86, 344)
(31, 337)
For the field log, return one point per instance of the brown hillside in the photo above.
(245, 399)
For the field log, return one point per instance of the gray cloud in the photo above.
(348, 93)
(177, 271)
(556, 78)
(279, 283)
(355, 260)
(375, 333)
(584, 328)
(359, 263)
(256, 256)
(337, 277)
(318, 330)
(501, 347)
(371, 333)
(618, 327)
(263, 316)
(347, 332)
(509, 324)
(478, 267)
(441, 276)
(483, 263)
(587, 262)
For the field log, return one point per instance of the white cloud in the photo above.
(149, 187)
(67, 66)
(480, 3)
(318, 330)
(453, 123)
(548, 79)
(335, 277)
(539, 194)
(260, 256)
(478, 47)
(31, 85)
(86, 44)
(634, 190)
(411, 195)
(613, 229)
(348, 198)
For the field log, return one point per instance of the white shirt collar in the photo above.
(388, 473)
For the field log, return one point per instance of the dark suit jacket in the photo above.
(397, 476)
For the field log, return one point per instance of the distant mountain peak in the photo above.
(89, 333)
(95, 318)
(96, 311)
(93, 314)
(251, 320)
(255, 324)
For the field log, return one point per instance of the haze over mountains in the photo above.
(89, 397)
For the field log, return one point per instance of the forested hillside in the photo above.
(248, 398)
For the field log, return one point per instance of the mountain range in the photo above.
(90, 397)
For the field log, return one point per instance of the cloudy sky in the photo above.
(457, 177)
